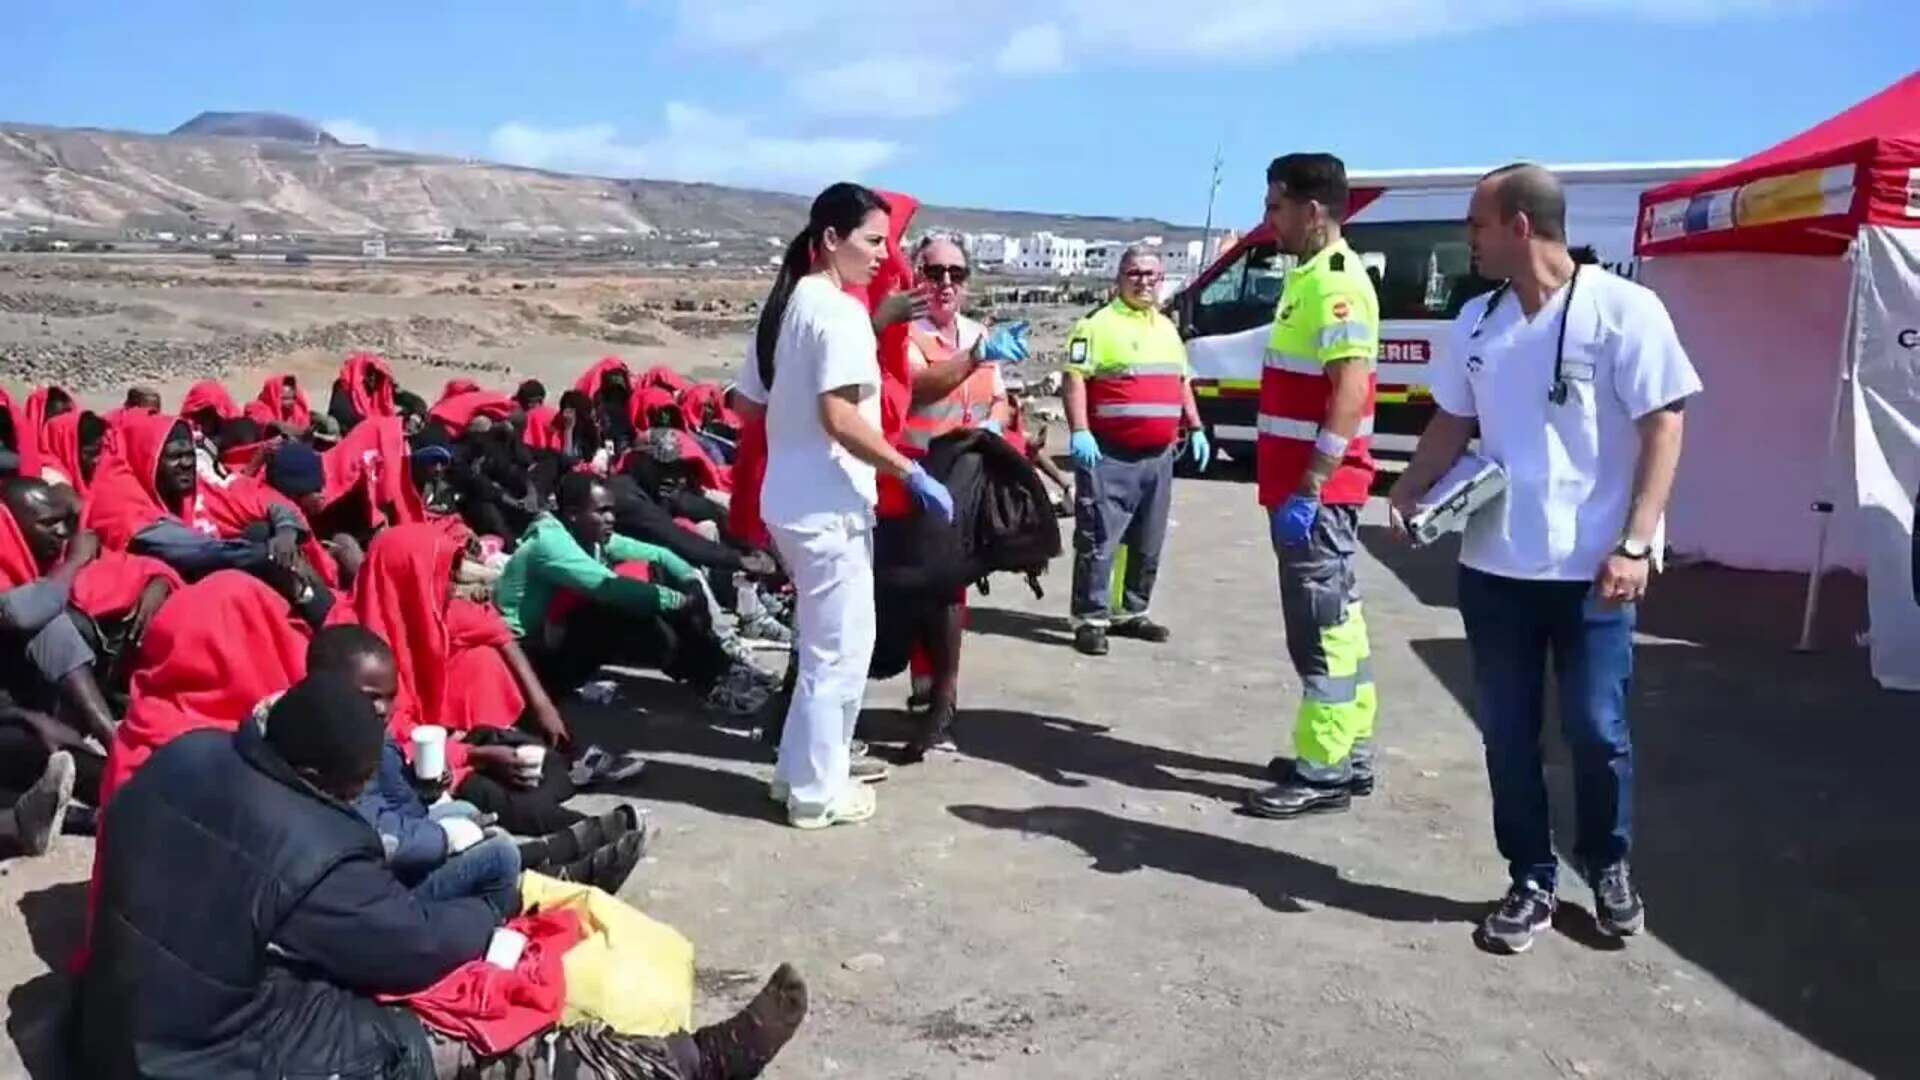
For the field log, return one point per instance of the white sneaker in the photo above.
(856, 803)
(40, 812)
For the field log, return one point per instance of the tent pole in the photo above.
(1810, 611)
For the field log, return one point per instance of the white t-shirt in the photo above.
(826, 343)
(1569, 467)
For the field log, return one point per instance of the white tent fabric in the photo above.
(1766, 334)
(1884, 400)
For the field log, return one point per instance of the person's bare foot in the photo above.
(741, 1047)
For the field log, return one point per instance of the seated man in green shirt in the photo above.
(572, 612)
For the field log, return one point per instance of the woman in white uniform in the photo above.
(815, 370)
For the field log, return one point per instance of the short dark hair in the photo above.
(340, 649)
(574, 490)
(1319, 177)
(532, 388)
(18, 489)
(1526, 188)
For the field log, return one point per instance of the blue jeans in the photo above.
(1513, 627)
(489, 870)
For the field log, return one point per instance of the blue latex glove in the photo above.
(1005, 344)
(993, 426)
(1293, 520)
(931, 494)
(1085, 451)
(1200, 448)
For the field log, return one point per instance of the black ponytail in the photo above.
(841, 207)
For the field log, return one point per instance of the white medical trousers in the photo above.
(830, 558)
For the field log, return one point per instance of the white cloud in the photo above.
(881, 88)
(1034, 50)
(695, 144)
(352, 131)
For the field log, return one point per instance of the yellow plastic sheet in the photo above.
(629, 971)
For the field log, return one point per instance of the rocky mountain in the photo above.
(257, 125)
(262, 172)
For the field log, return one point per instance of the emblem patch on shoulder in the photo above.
(1077, 351)
(1341, 309)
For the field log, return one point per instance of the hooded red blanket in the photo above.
(543, 430)
(447, 654)
(125, 498)
(268, 408)
(217, 649)
(353, 375)
(208, 396)
(26, 437)
(60, 449)
(456, 387)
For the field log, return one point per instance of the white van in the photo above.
(1410, 231)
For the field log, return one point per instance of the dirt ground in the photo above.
(1074, 895)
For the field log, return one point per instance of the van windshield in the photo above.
(1421, 269)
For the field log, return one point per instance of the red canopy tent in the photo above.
(1774, 268)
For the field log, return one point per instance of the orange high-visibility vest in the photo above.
(968, 405)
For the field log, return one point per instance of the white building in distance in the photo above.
(995, 250)
(1044, 254)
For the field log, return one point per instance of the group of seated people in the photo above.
(200, 612)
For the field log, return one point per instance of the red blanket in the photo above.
(208, 396)
(60, 449)
(589, 384)
(353, 375)
(267, 408)
(456, 387)
(456, 411)
(216, 650)
(26, 436)
(446, 652)
(543, 430)
(125, 498)
(372, 460)
(36, 409)
(106, 588)
(494, 1010)
(706, 403)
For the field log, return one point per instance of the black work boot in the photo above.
(1296, 797)
(1360, 785)
(1141, 629)
(1091, 640)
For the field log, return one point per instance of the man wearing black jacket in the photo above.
(252, 948)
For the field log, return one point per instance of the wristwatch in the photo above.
(1637, 550)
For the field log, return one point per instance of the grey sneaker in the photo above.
(38, 812)
(1617, 907)
(765, 631)
(1526, 910)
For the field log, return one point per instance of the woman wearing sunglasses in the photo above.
(955, 367)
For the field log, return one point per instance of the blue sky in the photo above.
(1092, 106)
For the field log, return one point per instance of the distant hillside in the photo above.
(257, 125)
(263, 172)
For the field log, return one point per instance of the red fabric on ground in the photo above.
(266, 409)
(353, 375)
(493, 1010)
(216, 650)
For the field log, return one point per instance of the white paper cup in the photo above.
(429, 752)
(504, 950)
(531, 759)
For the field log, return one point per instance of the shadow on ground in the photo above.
(37, 1009)
(1773, 834)
(1066, 752)
(1279, 880)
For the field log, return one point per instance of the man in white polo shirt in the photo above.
(1576, 382)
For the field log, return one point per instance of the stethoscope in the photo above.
(1561, 388)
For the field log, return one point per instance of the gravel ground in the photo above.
(1073, 895)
